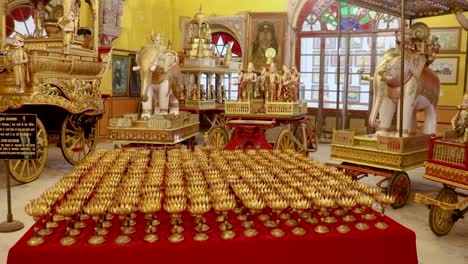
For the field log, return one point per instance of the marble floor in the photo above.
(452, 248)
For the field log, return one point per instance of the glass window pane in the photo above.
(306, 63)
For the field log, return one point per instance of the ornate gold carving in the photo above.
(153, 136)
(378, 158)
(446, 174)
(76, 107)
(429, 201)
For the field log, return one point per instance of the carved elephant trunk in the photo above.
(145, 60)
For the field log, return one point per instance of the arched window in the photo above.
(221, 40)
(365, 35)
(20, 19)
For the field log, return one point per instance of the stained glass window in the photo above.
(365, 34)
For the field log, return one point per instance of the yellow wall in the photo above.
(164, 16)
(452, 94)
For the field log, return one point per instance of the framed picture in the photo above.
(266, 30)
(135, 85)
(449, 38)
(119, 75)
(447, 69)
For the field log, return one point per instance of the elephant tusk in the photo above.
(136, 68)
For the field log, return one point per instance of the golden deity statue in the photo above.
(67, 24)
(460, 120)
(18, 60)
(273, 84)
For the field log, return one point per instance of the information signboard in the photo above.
(18, 136)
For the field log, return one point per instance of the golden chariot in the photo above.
(63, 84)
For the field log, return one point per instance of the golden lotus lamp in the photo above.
(50, 197)
(175, 207)
(365, 202)
(123, 210)
(330, 219)
(96, 211)
(309, 216)
(130, 199)
(384, 200)
(224, 206)
(278, 205)
(324, 203)
(256, 205)
(346, 203)
(37, 211)
(373, 192)
(68, 210)
(299, 205)
(150, 207)
(198, 210)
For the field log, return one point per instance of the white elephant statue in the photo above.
(159, 75)
(421, 92)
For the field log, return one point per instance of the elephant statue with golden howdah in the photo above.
(421, 88)
(159, 75)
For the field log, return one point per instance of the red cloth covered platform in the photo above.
(396, 244)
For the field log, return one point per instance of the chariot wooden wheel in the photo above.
(301, 136)
(78, 138)
(217, 137)
(399, 186)
(25, 171)
(285, 141)
(441, 221)
(307, 139)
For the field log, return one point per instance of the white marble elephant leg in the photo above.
(164, 96)
(386, 113)
(147, 106)
(409, 115)
(173, 104)
(430, 115)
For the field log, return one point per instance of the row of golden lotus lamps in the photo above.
(120, 182)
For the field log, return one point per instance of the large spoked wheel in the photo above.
(441, 221)
(25, 171)
(399, 187)
(217, 137)
(285, 141)
(78, 137)
(307, 140)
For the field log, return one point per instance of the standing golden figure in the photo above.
(67, 24)
(273, 84)
(18, 60)
(248, 84)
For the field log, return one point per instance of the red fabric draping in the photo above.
(396, 244)
(21, 13)
(10, 25)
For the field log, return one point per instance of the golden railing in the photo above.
(285, 108)
(450, 153)
(237, 108)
